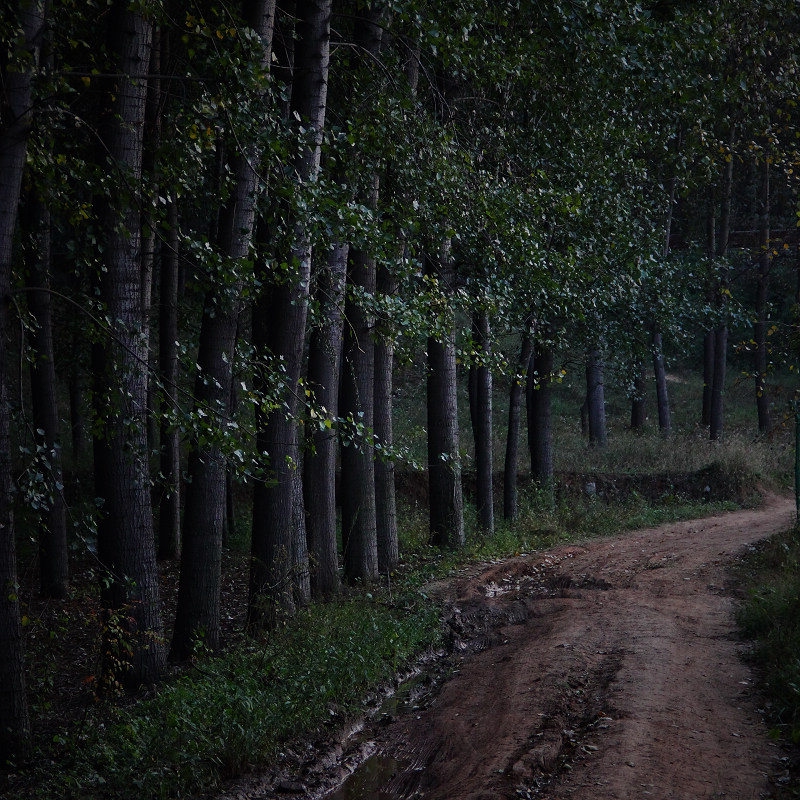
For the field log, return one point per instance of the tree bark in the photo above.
(595, 398)
(761, 357)
(126, 547)
(319, 473)
(197, 616)
(444, 461)
(53, 560)
(482, 422)
(662, 392)
(659, 371)
(711, 300)
(15, 104)
(721, 332)
(639, 399)
(169, 527)
(540, 423)
(385, 500)
(359, 505)
(287, 304)
(511, 465)
(359, 531)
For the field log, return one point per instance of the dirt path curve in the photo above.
(604, 670)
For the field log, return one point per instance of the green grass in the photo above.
(229, 713)
(770, 616)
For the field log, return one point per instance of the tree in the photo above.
(126, 547)
(511, 464)
(480, 396)
(284, 310)
(53, 558)
(25, 25)
(319, 465)
(198, 612)
(444, 460)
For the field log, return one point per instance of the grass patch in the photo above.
(239, 710)
(770, 616)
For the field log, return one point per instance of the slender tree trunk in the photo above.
(126, 546)
(639, 399)
(711, 300)
(540, 424)
(385, 502)
(656, 344)
(444, 462)
(169, 527)
(721, 332)
(301, 573)
(287, 304)
(53, 561)
(511, 468)
(151, 145)
(319, 473)
(482, 423)
(357, 403)
(595, 398)
(720, 358)
(662, 392)
(15, 104)
(760, 326)
(198, 612)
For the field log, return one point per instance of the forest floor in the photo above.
(608, 669)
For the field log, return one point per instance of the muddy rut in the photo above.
(609, 669)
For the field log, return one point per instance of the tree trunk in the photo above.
(357, 404)
(540, 423)
(301, 573)
(662, 392)
(760, 326)
(15, 104)
(511, 467)
(197, 616)
(639, 399)
(708, 375)
(319, 472)
(595, 399)
(711, 300)
(151, 146)
(53, 561)
(721, 332)
(482, 423)
(444, 462)
(169, 526)
(286, 305)
(718, 382)
(125, 545)
(385, 501)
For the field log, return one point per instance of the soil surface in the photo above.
(609, 669)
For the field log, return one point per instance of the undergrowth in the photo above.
(770, 616)
(235, 711)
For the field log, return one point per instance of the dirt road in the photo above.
(614, 673)
(603, 671)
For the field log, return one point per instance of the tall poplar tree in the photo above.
(198, 612)
(126, 546)
(26, 22)
(276, 558)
